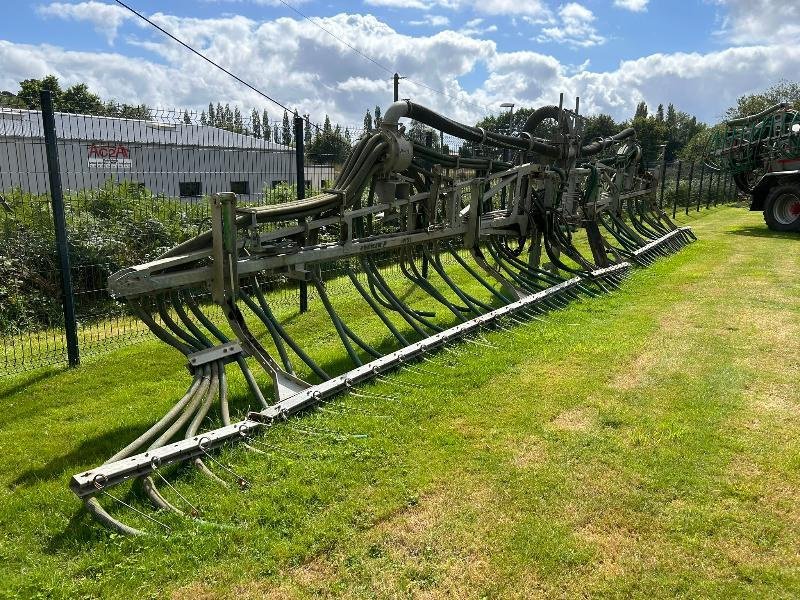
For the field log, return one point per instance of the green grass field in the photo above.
(641, 444)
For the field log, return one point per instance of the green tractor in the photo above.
(762, 154)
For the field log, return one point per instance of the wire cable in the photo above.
(211, 62)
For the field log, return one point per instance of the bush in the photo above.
(117, 225)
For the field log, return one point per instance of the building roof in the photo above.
(16, 122)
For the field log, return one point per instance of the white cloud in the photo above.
(432, 21)
(574, 29)
(760, 21)
(106, 18)
(292, 60)
(633, 5)
(534, 8)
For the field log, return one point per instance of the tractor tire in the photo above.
(782, 207)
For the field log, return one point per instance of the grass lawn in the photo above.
(641, 444)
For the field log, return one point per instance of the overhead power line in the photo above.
(208, 60)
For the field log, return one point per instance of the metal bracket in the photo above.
(226, 352)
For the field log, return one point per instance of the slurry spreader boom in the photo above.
(563, 219)
(762, 152)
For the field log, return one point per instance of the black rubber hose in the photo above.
(475, 134)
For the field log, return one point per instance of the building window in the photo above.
(277, 182)
(190, 188)
(240, 187)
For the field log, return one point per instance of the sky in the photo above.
(461, 57)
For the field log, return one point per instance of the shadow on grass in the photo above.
(761, 231)
(28, 379)
(92, 450)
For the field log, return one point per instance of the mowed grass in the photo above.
(641, 444)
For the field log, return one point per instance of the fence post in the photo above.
(716, 192)
(300, 167)
(689, 191)
(60, 223)
(700, 195)
(677, 187)
(663, 180)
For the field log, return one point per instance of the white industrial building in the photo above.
(171, 159)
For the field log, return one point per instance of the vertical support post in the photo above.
(677, 188)
(663, 180)
(60, 223)
(710, 189)
(689, 193)
(300, 167)
(396, 79)
(716, 192)
(700, 195)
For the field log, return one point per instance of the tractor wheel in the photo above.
(782, 207)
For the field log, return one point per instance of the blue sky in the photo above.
(699, 54)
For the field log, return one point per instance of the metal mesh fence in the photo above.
(132, 188)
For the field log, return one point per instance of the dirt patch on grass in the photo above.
(581, 418)
(528, 453)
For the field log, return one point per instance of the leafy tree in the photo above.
(328, 146)
(368, 121)
(326, 127)
(212, 118)
(227, 117)
(187, 120)
(641, 110)
(78, 99)
(265, 128)
(9, 100)
(749, 104)
(276, 134)
(219, 118)
(238, 125)
(203, 118)
(378, 118)
(255, 123)
(287, 130)
(30, 89)
(671, 118)
(307, 131)
(600, 126)
(348, 138)
(660, 113)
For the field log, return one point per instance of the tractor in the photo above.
(762, 154)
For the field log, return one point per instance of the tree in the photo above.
(287, 130)
(187, 120)
(328, 147)
(307, 132)
(219, 119)
(203, 119)
(347, 137)
(276, 134)
(368, 122)
(377, 116)
(641, 110)
(29, 90)
(237, 124)
(78, 99)
(660, 113)
(227, 117)
(212, 118)
(672, 118)
(750, 104)
(255, 123)
(265, 128)
(326, 127)
(600, 126)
